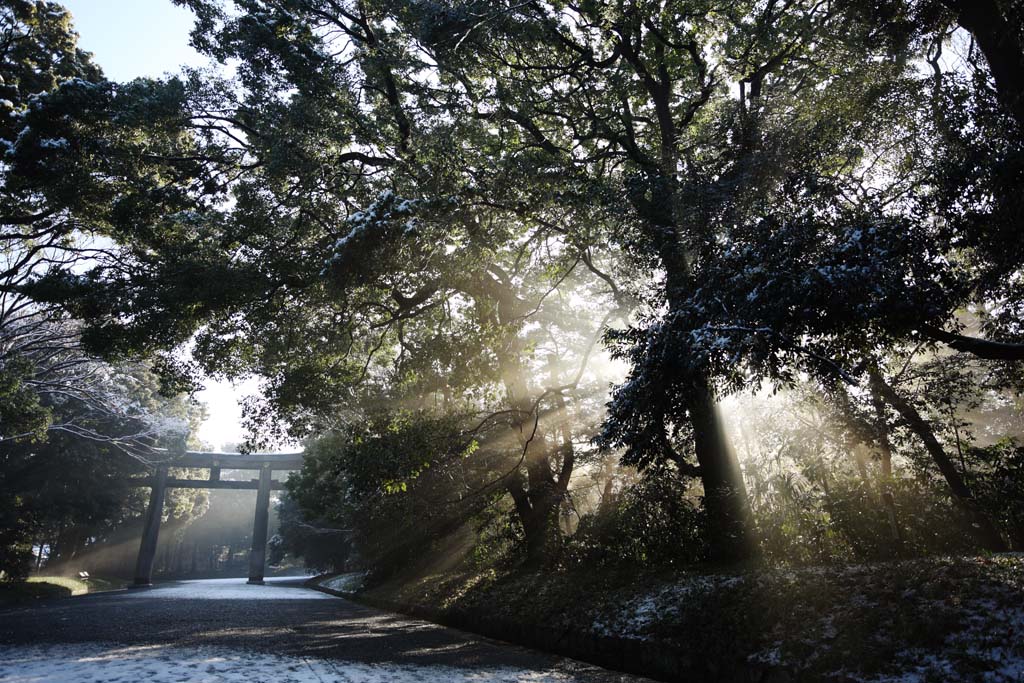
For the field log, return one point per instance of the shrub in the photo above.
(654, 523)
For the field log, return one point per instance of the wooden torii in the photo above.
(266, 463)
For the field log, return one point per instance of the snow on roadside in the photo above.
(634, 618)
(224, 589)
(98, 663)
(345, 583)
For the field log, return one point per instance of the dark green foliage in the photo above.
(21, 412)
(71, 490)
(16, 555)
(390, 490)
(320, 547)
(998, 477)
(849, 523)
(652, 524)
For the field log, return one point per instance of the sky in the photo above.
(133, 38)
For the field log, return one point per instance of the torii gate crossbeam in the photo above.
(266, 463)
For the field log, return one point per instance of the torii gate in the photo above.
(266, 463)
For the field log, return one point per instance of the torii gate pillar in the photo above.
(258, 554)
(151, 531)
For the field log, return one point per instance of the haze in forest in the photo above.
(577, 293)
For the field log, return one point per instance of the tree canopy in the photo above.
(461, 210)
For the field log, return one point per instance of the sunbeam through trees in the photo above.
(595, 289)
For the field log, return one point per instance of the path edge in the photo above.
(642, 658)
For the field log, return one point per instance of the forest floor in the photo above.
(914, 621)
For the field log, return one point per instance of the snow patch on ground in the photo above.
(98, 663)
(635, 618)
(991, 640)
(949, 618)
(345, 583)
(225, 589)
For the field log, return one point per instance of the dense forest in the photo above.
(538, 285)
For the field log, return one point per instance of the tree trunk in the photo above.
(998, 38)
(57, 549)
(539, 494)
(730, 539)
(986, 533)
(861, 460)
(667, 218)
(730, 520)
(885, 459)
(607, 501)
(536, 495)
(537, 510)
(874, 434)
(982, 348)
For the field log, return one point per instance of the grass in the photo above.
(44, 587)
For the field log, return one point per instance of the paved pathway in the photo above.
(225, 631)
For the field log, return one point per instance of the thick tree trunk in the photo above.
(999, 40)
(730, 538)
(540, 536)
(730, 520)
(539, 494)
(986, 533)
(537, 510)
(536, 492)
(668, 218)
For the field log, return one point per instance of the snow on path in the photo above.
(226, 589)
(98, 663)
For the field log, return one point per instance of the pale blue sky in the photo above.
(133, 38)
